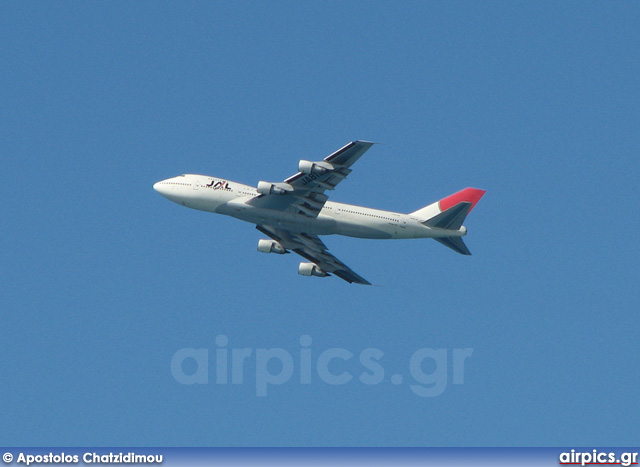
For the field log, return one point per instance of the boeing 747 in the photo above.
(296, 212)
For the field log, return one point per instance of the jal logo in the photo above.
(309, 178)
(219, 185)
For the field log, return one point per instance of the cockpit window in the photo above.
(181, 175)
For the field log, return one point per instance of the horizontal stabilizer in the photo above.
(452, 218)
(455, 243)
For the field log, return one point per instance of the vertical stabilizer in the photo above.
(448, 214)
(468, 195)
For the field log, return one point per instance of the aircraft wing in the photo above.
(313, 249)
(304, 192)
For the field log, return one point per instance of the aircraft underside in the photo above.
(294, 213)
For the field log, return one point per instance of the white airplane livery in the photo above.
(295, 212)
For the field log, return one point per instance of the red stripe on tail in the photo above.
(469, 195)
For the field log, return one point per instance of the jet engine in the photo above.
(308, 167)
(270, 246)
(268, 188)
(310, 269)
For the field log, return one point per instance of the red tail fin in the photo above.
(469, 195)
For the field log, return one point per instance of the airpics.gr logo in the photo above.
(598, 457)
(428, 368)
(218, 185)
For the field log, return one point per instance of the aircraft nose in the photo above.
(161, 187)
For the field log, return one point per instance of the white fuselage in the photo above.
(221, 196)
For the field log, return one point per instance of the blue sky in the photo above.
(104, 280)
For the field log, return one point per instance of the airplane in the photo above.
(296, 212)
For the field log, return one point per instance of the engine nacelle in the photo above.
(310, 269)
(308, 167)
(268, 188)
(270, 246)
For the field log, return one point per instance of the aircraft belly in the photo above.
(351, 229)
(413, 230)
(296, 223)
(382, 230)
(200, 201)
